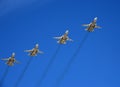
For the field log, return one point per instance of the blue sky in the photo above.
(28, 22)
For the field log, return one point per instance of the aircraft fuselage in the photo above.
(91, 27)
(63, 39)
(10, 61)
(34, 52)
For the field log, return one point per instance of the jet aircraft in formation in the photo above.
(62, 39)
(11, 60)
(91, 26)
(34, 51)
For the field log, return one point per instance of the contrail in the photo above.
(23, 73)
(71, 61)
(4, 76)
(48, 67)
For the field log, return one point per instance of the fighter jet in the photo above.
(11, 60)
(34, 51)
(92, 25)
(62, 39)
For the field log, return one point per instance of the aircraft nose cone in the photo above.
(37, 45)
(13, 53)
(95, 18)
(67, 31)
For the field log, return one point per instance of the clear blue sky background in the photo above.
(26, 22)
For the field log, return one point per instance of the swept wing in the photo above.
(5, 59)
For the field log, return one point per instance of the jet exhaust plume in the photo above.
(48, 67)
(23, 73)
(71, 60)
(4, 76)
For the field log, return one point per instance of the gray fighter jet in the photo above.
(91, 26)
(34, 51)
(62, 39)
(11, 60)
